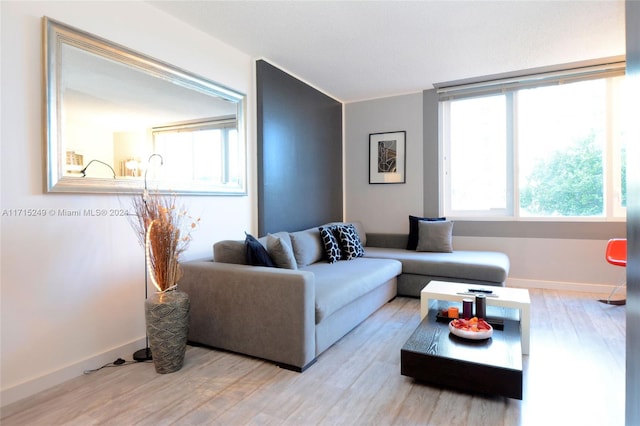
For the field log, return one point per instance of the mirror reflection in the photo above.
(111, 110)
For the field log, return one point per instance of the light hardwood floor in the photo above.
(574, 375)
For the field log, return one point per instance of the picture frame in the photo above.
(387, 157)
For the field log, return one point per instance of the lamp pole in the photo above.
(145, 353)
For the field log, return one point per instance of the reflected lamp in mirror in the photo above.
(131, 167)
(83, 172)
(109, 104)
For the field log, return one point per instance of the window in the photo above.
(551, 152)
(211, 149)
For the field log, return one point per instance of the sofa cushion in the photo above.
(412, 242)
(375, 239)
(467, 265)
(256, 253)
(307, 246)
(280, 250)
(435, 236)
(330, 243)
(341, 283)
(230, 251)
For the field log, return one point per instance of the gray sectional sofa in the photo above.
(291, 316)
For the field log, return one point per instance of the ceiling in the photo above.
(115, 96)
(358, 50)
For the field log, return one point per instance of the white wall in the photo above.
(72, 287)
(564, 264)
(574, 264)
(383, 207)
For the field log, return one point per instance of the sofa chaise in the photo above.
(418, 268)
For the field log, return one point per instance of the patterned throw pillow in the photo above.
(330, 243)
(350, 242)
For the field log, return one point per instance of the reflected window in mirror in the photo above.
(205, 151)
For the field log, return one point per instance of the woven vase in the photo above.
(167, 316)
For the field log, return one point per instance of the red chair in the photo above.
(616, 254)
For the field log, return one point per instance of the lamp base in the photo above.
(142, 355)
(614, 302)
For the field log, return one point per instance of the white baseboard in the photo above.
(34, 385)
(603, 289)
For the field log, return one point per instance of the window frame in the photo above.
(509, 87)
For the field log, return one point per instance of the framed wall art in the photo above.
(387, 157)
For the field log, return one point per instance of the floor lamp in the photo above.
(145, 353)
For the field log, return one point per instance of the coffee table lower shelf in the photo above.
(492, 366)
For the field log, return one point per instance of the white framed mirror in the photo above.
(117, 120)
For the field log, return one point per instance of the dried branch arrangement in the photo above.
(164, 230)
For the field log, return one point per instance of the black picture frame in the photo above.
(387, 157)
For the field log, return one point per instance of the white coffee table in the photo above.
(506, 297)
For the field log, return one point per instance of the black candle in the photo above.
(467, 308)
(481, 306)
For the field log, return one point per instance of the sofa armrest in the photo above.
(264, 312)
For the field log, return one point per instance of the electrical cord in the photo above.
(117, 363)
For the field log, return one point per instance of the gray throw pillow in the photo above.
(435, 236)
(307, 246)
(412, 241)
(281, 252)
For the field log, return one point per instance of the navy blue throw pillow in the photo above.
(256, 254)
(412, 242)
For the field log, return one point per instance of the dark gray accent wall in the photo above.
(299, 143)
(632, 415)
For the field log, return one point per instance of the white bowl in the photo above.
(472, 335)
